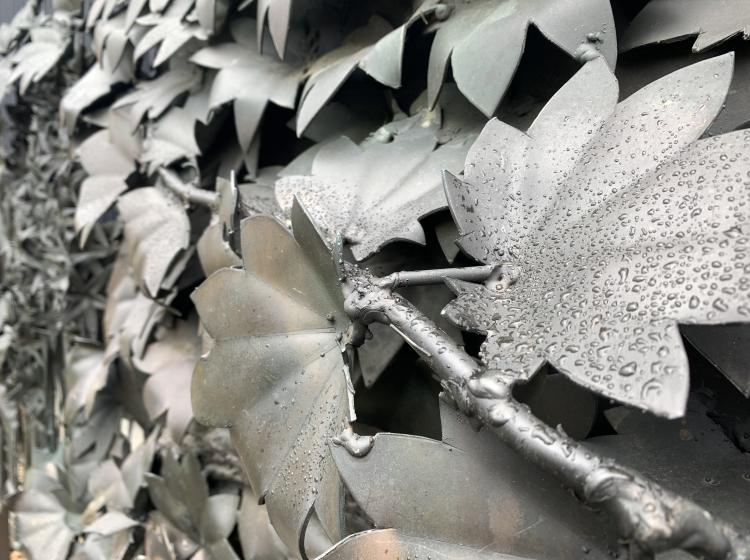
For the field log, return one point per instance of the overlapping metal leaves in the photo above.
(183, 179)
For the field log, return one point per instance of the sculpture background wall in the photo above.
(304, 279)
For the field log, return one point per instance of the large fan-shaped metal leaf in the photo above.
(499, 503)
(711, 23)
(248, 78)
(276, 362)
(156, 231)
(612, 223)
(376, 193)
(484, 39)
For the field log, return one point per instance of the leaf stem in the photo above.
(651, 518)
(189, 193)
(436, 276)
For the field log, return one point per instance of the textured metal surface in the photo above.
(376, 193)
(663, 21)
(276, 362)
(497, 504)
(616, 223)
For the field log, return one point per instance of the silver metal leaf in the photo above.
(612, 222)
(674, 454)
(214, 250)
(499, 502)
(390, 543)
(257, 536)
(182, 496)
(156, 231)
(108, 169)
(170, 31)
(376, 193)
(34, 60)
(43, 525)
(169, 362)
(371, 48)
(276, 361)
(483, 41)
(664, 21)
(250, 79)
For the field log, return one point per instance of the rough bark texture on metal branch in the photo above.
(651, 519)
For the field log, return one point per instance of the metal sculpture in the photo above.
(222, 277)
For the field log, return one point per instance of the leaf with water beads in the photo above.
(275, 373)
(665, 21)
(375, 193)
(612, 223)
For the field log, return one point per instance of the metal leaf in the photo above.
(370, 48)
(170, 31)
(181, 494)
(664, 21)
(95, 84)
(169, 362)
(108, 169)
(390, 543)
(170, 139)
(35, 59)
(376, 193)
(156, 231)
(611, 223)
(43, 525)
(257, 536)
(250, 79)
(484, 41)
(674, 454)
(214, 250)
(500, 503)
(151, 98)
(276, 361)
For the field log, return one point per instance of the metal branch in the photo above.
(651, 519)
(189, 193)
(436, 276)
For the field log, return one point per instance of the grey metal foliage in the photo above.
(483, 40)
(497, 504)
(711, 23)
(610, 223)
(376, 193)
(276, 360)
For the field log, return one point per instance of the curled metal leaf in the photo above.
(156, 231)
(484, 40)
(610, 223)
(182, 496)
(664, 21)
(376, 193)
(674, 454)
(33, 60)
(498, 504)
(214, 249)
(276, 361)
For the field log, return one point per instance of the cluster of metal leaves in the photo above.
(246, 150)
